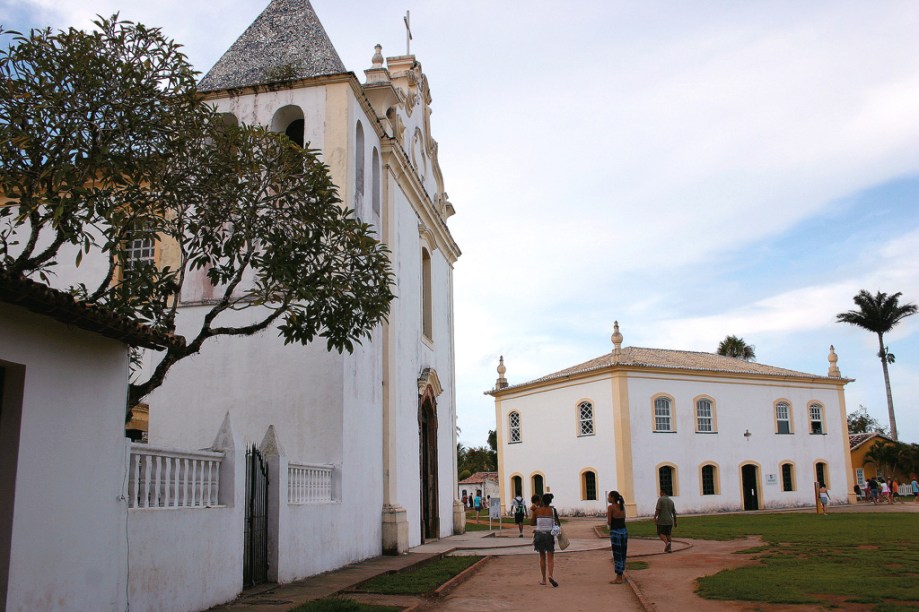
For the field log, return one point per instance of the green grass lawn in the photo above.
(870, 558)
(420, 579)
(335, 604)
(507, 522)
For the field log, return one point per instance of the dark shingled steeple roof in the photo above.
(285, 43)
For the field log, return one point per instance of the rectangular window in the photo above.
(665, 479)
(788, 480)
(782, 420)
(708, 480)
(514, 422)
(816, 413)
(138, 251)
(586, 418)
(590, 486)
(704, 421)
(860, 477)
(662, 414)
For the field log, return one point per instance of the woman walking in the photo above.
(618, 536)
(543, 519)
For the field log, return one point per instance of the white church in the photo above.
(717, 433)
(368, 439)
(263, 462)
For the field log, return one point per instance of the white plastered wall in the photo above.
(550, 445)
(68, 548)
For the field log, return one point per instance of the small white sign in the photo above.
(494, 511)
(772, 479)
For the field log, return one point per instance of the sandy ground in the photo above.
(509, 580)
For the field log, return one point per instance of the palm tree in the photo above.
(732, 346)
(879, 313)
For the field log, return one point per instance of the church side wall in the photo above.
(327, 408)
(551, 445)
(740, 406)
(68, 549)
(442, 360)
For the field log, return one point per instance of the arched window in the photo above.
(705, 416)
(288, 120)
(663, 414)
(375, 180)
(782, 418)
(709, 480)
(359, 170)
(815, 411)
(585, 419)
(427, 313)
(788, 477)
(517, 485)
(666, 477)
(513, 424)
(538, 485)
(822, 473)
(589, 485)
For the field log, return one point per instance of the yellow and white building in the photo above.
(719, 433)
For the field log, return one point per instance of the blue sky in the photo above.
(691, 170)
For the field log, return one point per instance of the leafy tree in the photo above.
(862, 422)
(477, 458)
(879, 313)
(104, 139)
(732, 346)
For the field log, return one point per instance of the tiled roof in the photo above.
(285, 43)
(856, 440)
(480, 477)
(637, 357)
(60, 306)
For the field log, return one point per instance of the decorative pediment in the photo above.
(427, 236)
(430, 379)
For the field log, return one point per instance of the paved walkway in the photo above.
(584, 568)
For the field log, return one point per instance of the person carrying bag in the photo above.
(559, 533)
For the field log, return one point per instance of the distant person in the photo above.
(665, 519)
(618, 536)
(885, 492)
(519, 510)
(915, 489)
(858, 492)
(477, 504)
(894, 490)
(465, 501)
(824, 498)
(873, 489)
(544, 518)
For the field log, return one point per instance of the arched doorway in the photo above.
(750, 487)
(427, 433)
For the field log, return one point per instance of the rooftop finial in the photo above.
(832, 358)
(501, 383)
(377, 59)
(617, 339)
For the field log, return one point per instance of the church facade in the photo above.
(717, 433)
(380, 421)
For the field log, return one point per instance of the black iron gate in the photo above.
(255, 555)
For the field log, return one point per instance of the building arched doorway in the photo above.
(427, 434)
(750, 487)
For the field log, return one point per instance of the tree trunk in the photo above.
(890, 413)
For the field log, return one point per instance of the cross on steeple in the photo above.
(408, 33)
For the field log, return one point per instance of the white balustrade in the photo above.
(168, 478)
(309, 483)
